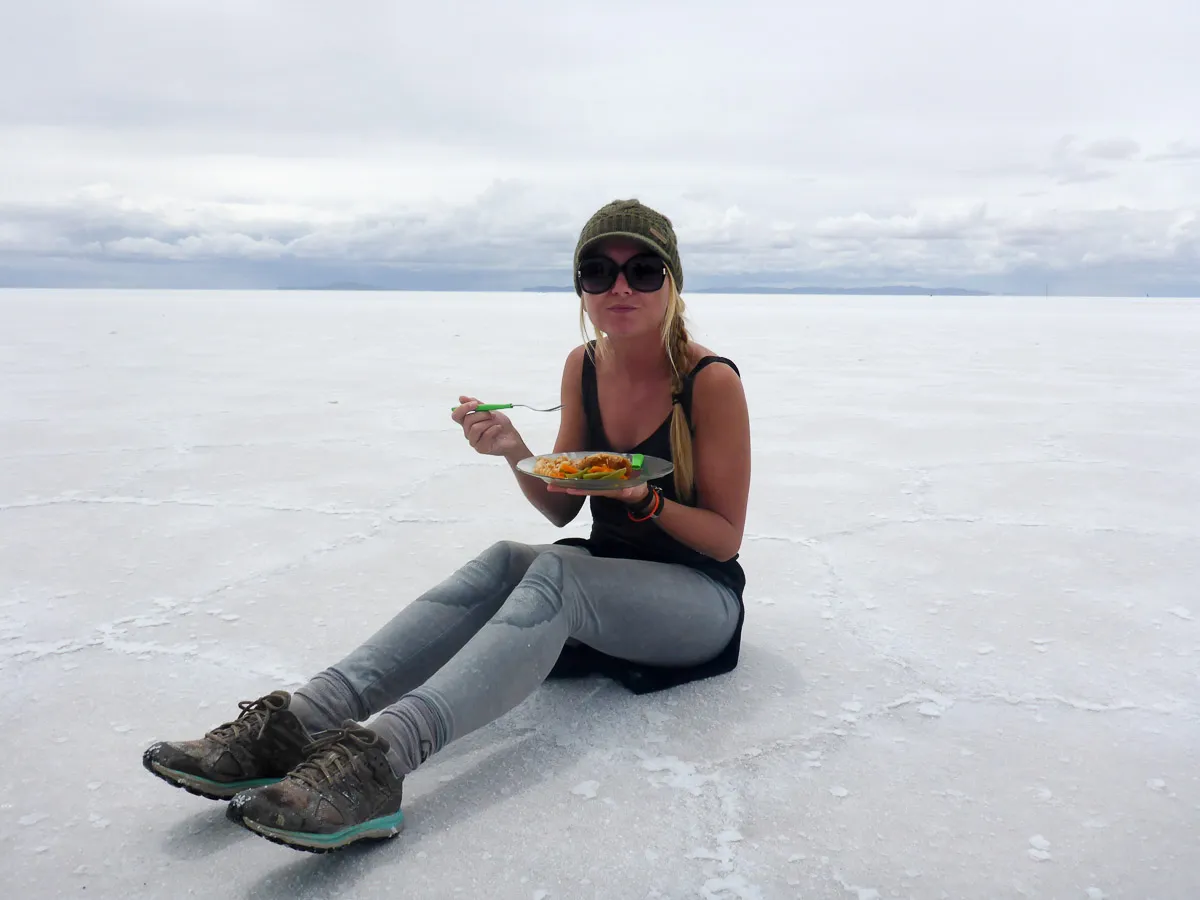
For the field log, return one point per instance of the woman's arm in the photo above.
(560, 509)
(721, 454)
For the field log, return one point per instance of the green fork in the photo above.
(488, 407)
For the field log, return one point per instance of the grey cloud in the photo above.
(1113, 149)
(925, 226)
(245, 143)
(495, 230)
(513, 237)
(750, 81)
(1070, 160)
(1070, 163)
(1179, 151)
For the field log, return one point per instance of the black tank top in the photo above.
(613, 533)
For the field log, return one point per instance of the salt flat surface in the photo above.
(972, 657)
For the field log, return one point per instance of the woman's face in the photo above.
(622, 311)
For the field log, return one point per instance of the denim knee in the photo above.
(539, 597)
(498, 568)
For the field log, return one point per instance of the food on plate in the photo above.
(595, 466)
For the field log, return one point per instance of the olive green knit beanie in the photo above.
(635, 220)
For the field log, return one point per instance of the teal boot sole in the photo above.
(200, 786)
(380, 829)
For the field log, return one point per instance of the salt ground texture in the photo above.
(972, 655)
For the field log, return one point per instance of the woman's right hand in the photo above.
(490, 433)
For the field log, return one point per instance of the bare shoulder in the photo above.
(716, 378)
(720, 422)
(573, 366)
(572, 375)
(697, 352)
(719, 409)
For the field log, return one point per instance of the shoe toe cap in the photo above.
(170, 755)
(273, 806)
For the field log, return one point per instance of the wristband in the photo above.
(650, 507)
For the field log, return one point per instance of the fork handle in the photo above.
(488, 407)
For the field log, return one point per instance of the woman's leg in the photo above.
(646, 612)
(418, 640)
(270, 736)
(351, 786)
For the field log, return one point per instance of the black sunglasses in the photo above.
(644, 273)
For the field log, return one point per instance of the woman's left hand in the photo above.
(630, 495)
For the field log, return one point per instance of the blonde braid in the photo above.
(677, 340)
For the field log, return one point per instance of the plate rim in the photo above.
(529, 461)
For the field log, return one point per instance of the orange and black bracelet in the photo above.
(650, 508)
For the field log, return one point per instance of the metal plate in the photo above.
(652, 469)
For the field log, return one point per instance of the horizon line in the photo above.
(747, 292)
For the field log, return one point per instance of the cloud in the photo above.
(513, 236)
(1178, 151)
(926, 225)
(1112, 149)
(288, 139)
(1072, 164)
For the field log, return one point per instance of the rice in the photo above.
(549, 465)
(552, 466)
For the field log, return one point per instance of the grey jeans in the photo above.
(474, 646)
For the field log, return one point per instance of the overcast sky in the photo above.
(985, 143)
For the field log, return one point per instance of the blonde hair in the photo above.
(676, 342)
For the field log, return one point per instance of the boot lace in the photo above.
(330, 755)
(252, 721)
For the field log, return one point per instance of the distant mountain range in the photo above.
(1148, 279)
(882, 290)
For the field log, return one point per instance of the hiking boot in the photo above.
(344, 791)
(257, 748)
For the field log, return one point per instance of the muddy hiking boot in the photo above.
(257, 748)
(344, 791)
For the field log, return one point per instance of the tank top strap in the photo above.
(685, 396)
(588, 376)
(591, 393)
(591, 397)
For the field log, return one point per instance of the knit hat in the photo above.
(632, 219)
